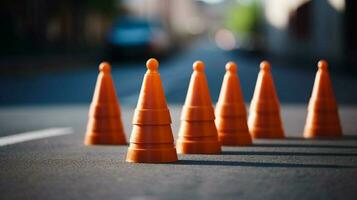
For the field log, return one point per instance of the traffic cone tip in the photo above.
(199, 66)
(231, 67)
(322, 64)
(104, 67)
(265, 65)
(152, 64)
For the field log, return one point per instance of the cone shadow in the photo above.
(260, 164)
(272, 153)
(349, 137)
(343, 138)
(294, 138)
(308, 146)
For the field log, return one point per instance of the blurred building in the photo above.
(307, 29)
(40, 25)
(311, 29)
(294, 29)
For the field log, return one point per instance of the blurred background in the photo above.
(50, 50)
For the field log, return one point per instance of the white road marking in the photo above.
(34, 135)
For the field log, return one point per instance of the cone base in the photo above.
(198, 147)
(105, 138)
(151, 155)
(334, 132)
(235, 139)
(267, 134)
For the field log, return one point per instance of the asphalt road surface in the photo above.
(61, 167)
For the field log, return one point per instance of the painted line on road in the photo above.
(34, 135)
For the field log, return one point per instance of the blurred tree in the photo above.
(243, 18)
(106, 7)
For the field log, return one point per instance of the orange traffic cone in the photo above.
(231, 114)
(198, 133)
(322, 117)
(151, 140)
(264, 119)
(104, 124)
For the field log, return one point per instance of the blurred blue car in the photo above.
(133, 37)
